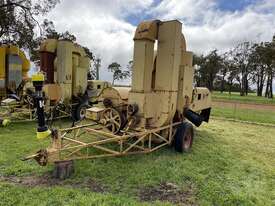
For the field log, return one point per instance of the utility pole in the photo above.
(97, 67)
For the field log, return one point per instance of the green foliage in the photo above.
(238, 69)
(130, 66)
(207, 69)
(118, 73)
(18, 21)
(50, 32)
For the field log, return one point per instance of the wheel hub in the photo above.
(112, 120)
(187, 141)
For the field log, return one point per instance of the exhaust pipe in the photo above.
(193, 117)
(196, 118)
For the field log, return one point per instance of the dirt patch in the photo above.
(168, 192)
(32, 181)
(238, 105)
(47, 181)
(91, 184)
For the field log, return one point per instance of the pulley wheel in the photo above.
(112, 120)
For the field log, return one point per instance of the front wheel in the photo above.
(80, 112)
(184, 137)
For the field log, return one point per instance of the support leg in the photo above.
(63, 169)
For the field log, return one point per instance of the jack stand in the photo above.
(63, 169)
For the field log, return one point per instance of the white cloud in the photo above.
(100, 26)
(103, 27)
(236, 28)
(206, 27)
(193, 10)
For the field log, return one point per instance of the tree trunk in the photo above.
(258, 84)
(261, 82)
(222, 85)
(223, 81)
(242, 83)
(271, 86)
(210, 82)
(230, 86)
(246, 82)
(246, 86)
(267, 87)
(241, 89)
(198, 83)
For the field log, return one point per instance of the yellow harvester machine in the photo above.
(65, 65)
(153, 113)
(14, 67)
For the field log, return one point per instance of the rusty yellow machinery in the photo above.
(151, 114)
(14, 67)
(65, 65)
(95, 88)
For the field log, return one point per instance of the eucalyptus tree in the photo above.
(18, 20)
(118, 73)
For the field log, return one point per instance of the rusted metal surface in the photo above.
(89, 142)
(140, 119)
(47, 65)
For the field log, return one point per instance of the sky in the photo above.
(107, 27)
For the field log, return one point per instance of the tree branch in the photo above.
(18, 4)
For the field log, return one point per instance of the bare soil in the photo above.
(48, 181)
(168, 192)
(239, 105)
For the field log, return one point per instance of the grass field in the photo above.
(245, 114)
(235, 96)
(230, 164)
(247, 111)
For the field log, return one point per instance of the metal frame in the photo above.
(68, 145)
(17, 112)
(24, 113)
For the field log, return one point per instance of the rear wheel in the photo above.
(184, 137)
(80, 112)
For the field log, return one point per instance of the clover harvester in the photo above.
(153, 113)
(65, 65)
(14, 67)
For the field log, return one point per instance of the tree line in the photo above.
(246, 67)
(240, 69)
(18, 21)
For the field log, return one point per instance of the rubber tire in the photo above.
(76, 113)
(181, 135)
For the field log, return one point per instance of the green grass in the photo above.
(245, 114)
(230, 164)
(235, 97)
(56, 196)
